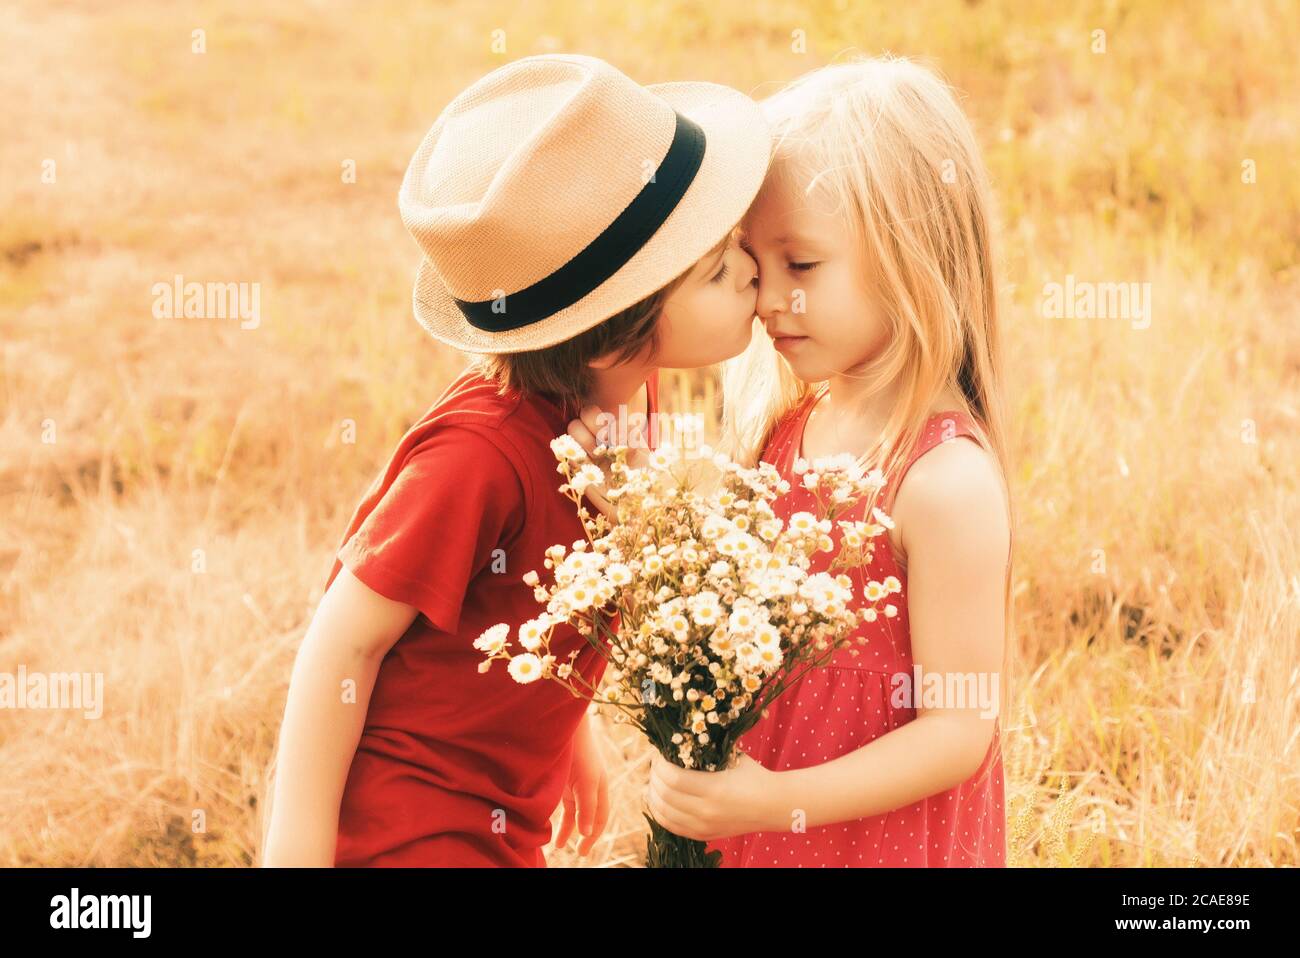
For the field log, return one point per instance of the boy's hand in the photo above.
(586, 796)
(589, 432)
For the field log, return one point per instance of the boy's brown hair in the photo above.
(562, 370)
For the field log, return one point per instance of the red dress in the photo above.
(838, 708)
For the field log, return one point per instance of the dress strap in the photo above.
(940, 428)
(809, 403)
(782, 445)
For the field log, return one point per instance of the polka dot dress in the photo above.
(841, 707)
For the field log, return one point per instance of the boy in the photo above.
(577, 232)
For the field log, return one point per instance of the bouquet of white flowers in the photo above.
(702, 604)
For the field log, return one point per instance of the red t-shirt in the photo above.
(455, 767)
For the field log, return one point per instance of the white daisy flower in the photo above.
(803, 522)
(588, 475)
(567, 448)
(706, 614)
(531, 632)
(742, 621)
(525, 668)
(736, 543)
(494, 639)
(663, 458)
(714, 526)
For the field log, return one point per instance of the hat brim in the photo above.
(736, 155)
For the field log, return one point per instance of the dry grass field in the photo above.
(172, 489)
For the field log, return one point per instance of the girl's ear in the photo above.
(603, 362)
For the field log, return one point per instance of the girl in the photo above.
(876, 292)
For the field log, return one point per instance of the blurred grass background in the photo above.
(1157, 697)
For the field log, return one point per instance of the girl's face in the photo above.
(710, 316)
(812, 293)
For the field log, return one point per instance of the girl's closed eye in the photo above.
(803, 267)
(721, 274)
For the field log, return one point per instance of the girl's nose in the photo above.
(770, 303)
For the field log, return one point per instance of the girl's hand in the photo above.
(586, 796)
(711, 805)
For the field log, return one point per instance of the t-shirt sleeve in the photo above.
(455, 499)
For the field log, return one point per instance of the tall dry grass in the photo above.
(1157, 695)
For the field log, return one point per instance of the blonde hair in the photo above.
(885, 139)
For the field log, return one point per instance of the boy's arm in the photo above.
(352, 630)
(455, 499)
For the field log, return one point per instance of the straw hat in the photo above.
(556, 191)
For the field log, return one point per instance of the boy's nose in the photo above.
(747, 273)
